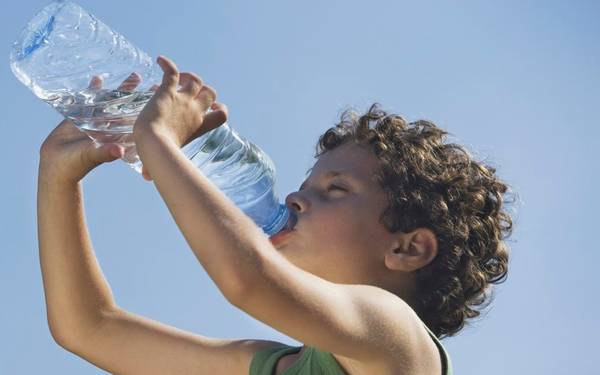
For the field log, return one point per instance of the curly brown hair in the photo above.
(437, 185)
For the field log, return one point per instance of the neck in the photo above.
(403, 286)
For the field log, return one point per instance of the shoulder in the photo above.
(425, 359)
(404, 343)
(397, 337)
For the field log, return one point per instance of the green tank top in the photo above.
(316, 362)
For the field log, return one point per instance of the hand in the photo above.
(68, 154)
(179, 115)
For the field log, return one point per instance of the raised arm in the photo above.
(76, 292)
(82, 314)
(362, 322)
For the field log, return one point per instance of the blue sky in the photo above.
(515, 81)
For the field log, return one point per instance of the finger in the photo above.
(105, 153)
(217, 117)
(171, 73)
(145, 174)
(207, 96)
(67, 129)
(95, 83)
(154, 87)
(130, 83)
(66, 123)
(190, 83)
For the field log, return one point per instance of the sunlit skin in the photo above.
(338, 235)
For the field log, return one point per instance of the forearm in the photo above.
(225, 241)
(75, 289)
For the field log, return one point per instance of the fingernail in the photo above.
(116, 152)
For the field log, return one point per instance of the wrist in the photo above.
(151, 131)
(48, 175)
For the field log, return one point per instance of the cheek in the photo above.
(345, 228)
(362, 229)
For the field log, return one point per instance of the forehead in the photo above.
(349, 158)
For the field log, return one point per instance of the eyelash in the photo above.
(331, 187)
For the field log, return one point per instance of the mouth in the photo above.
(280, 236)
(287, 229)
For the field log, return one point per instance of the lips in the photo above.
(280, 236)
(287, 229)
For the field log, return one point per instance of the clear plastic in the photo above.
(63, 47)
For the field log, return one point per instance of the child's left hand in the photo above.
(180, 114)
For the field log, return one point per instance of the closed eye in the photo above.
(331, 187)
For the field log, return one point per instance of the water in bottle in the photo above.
(63, 47)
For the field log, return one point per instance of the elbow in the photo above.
(239, 288)
(236, 292)
(248, 281)
(246, 269)
(61, 338)
(72, 334)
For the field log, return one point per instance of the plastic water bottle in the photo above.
(64, 46)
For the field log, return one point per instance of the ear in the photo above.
(411, 251)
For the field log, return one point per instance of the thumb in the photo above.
(213, 119)
(106, 153)
(145, 174)
(216, 117)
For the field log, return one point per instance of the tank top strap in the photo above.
(265, 360)
(446, 362)
(312, 361)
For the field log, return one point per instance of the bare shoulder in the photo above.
(403, 343)
(369, 330)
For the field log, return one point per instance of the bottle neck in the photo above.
(281, 219)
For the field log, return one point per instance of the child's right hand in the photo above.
(68, 154)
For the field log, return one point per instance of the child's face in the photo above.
(338, 235)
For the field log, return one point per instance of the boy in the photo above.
(394, 237)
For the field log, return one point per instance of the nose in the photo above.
(297, 202)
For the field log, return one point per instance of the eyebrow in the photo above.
(332, 173)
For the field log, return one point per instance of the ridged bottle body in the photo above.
(63, 47)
